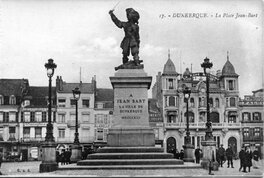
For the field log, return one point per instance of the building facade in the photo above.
(64, 128)
(224, 94)
(252, 120)
(11, 94)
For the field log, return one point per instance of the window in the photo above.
(61, 118)
(1, 100)
(192, 102)
(1, 134)
(44, 116)
(12, 100)
(227, 102)
(202, 117)
(100, 134)
(246, 116)
(37, 132)
(99, 119)
(61, 133)
(100, 105)
(217, 103)
(170, 83)
(6, 116)
(26, 132)
(12, 132)
(12, 117)
(73, 102)
(232, 101)
(1, 117)
(171, 101)
(256, 116)
(231, 85)
(27, 116)
(54, 116)
(190, 115)
(232, 117)
(61, 103)
(256, 132)
(211, 102)
(201, 101)
(32, 116)
(246, 132)
(214, 117)
(86, 103)
(156, 132)
(86, 118)
(38, 116)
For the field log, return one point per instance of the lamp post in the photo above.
(49, 163)
(209, 145)
(188, 147)
(76, 148)
(76, 95)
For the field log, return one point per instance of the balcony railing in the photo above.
(33, 139)
(253, 138)
(202, 125)
(72, 123)
(88, 139)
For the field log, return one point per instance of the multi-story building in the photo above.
(103, 114)
(64, 128)
(252, 120)
(11, 94)
(33, 120)
(224, 94)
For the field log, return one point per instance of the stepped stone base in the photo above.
(130, 137)
(130, 158)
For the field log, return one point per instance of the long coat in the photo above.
(248, 158)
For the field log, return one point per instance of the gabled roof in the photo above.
(10, 87)
(84, 87)
(38, 96)
(104, 94)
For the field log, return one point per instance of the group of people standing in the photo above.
(248, 159)
(64, 157)
(177, 154)
(246, 156)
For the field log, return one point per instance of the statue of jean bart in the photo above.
(131, 41)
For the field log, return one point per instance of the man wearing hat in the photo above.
(229, 155)
(221, 152)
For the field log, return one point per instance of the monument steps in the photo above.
(133, 167)
(129, 162)
(130, 156)
(129, 149)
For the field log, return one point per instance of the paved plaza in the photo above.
(32, 169)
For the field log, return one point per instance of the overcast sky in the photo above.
(80, 33)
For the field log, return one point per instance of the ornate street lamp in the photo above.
(209, 145)
(206, 65)
(49, 163)
(50, 66)
(76, 148)
(76, 95)
(188, 147)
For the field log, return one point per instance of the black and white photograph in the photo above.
(131, 88)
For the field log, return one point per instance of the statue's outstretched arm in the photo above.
(117, 22)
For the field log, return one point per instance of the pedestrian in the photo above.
(242, 159)
(177, 154)
(68, 156)
(57, 156)
(63, 157)
(181, 155)
(255, 160)
(229, 155)
(221, 152)
(197, 154)
(248, 158)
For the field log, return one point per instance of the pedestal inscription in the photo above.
(131, 118)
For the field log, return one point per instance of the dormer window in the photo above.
(12, 100)
(170, 83)
(231, 85)
(26, 103)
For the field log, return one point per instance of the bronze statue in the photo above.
(131, 41)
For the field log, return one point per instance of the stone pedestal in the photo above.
(49, 163)
(76, 151)
(209, 153)
(131, 118)
(188, 153)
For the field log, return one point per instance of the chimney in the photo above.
(94, 84)
(60, 84)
